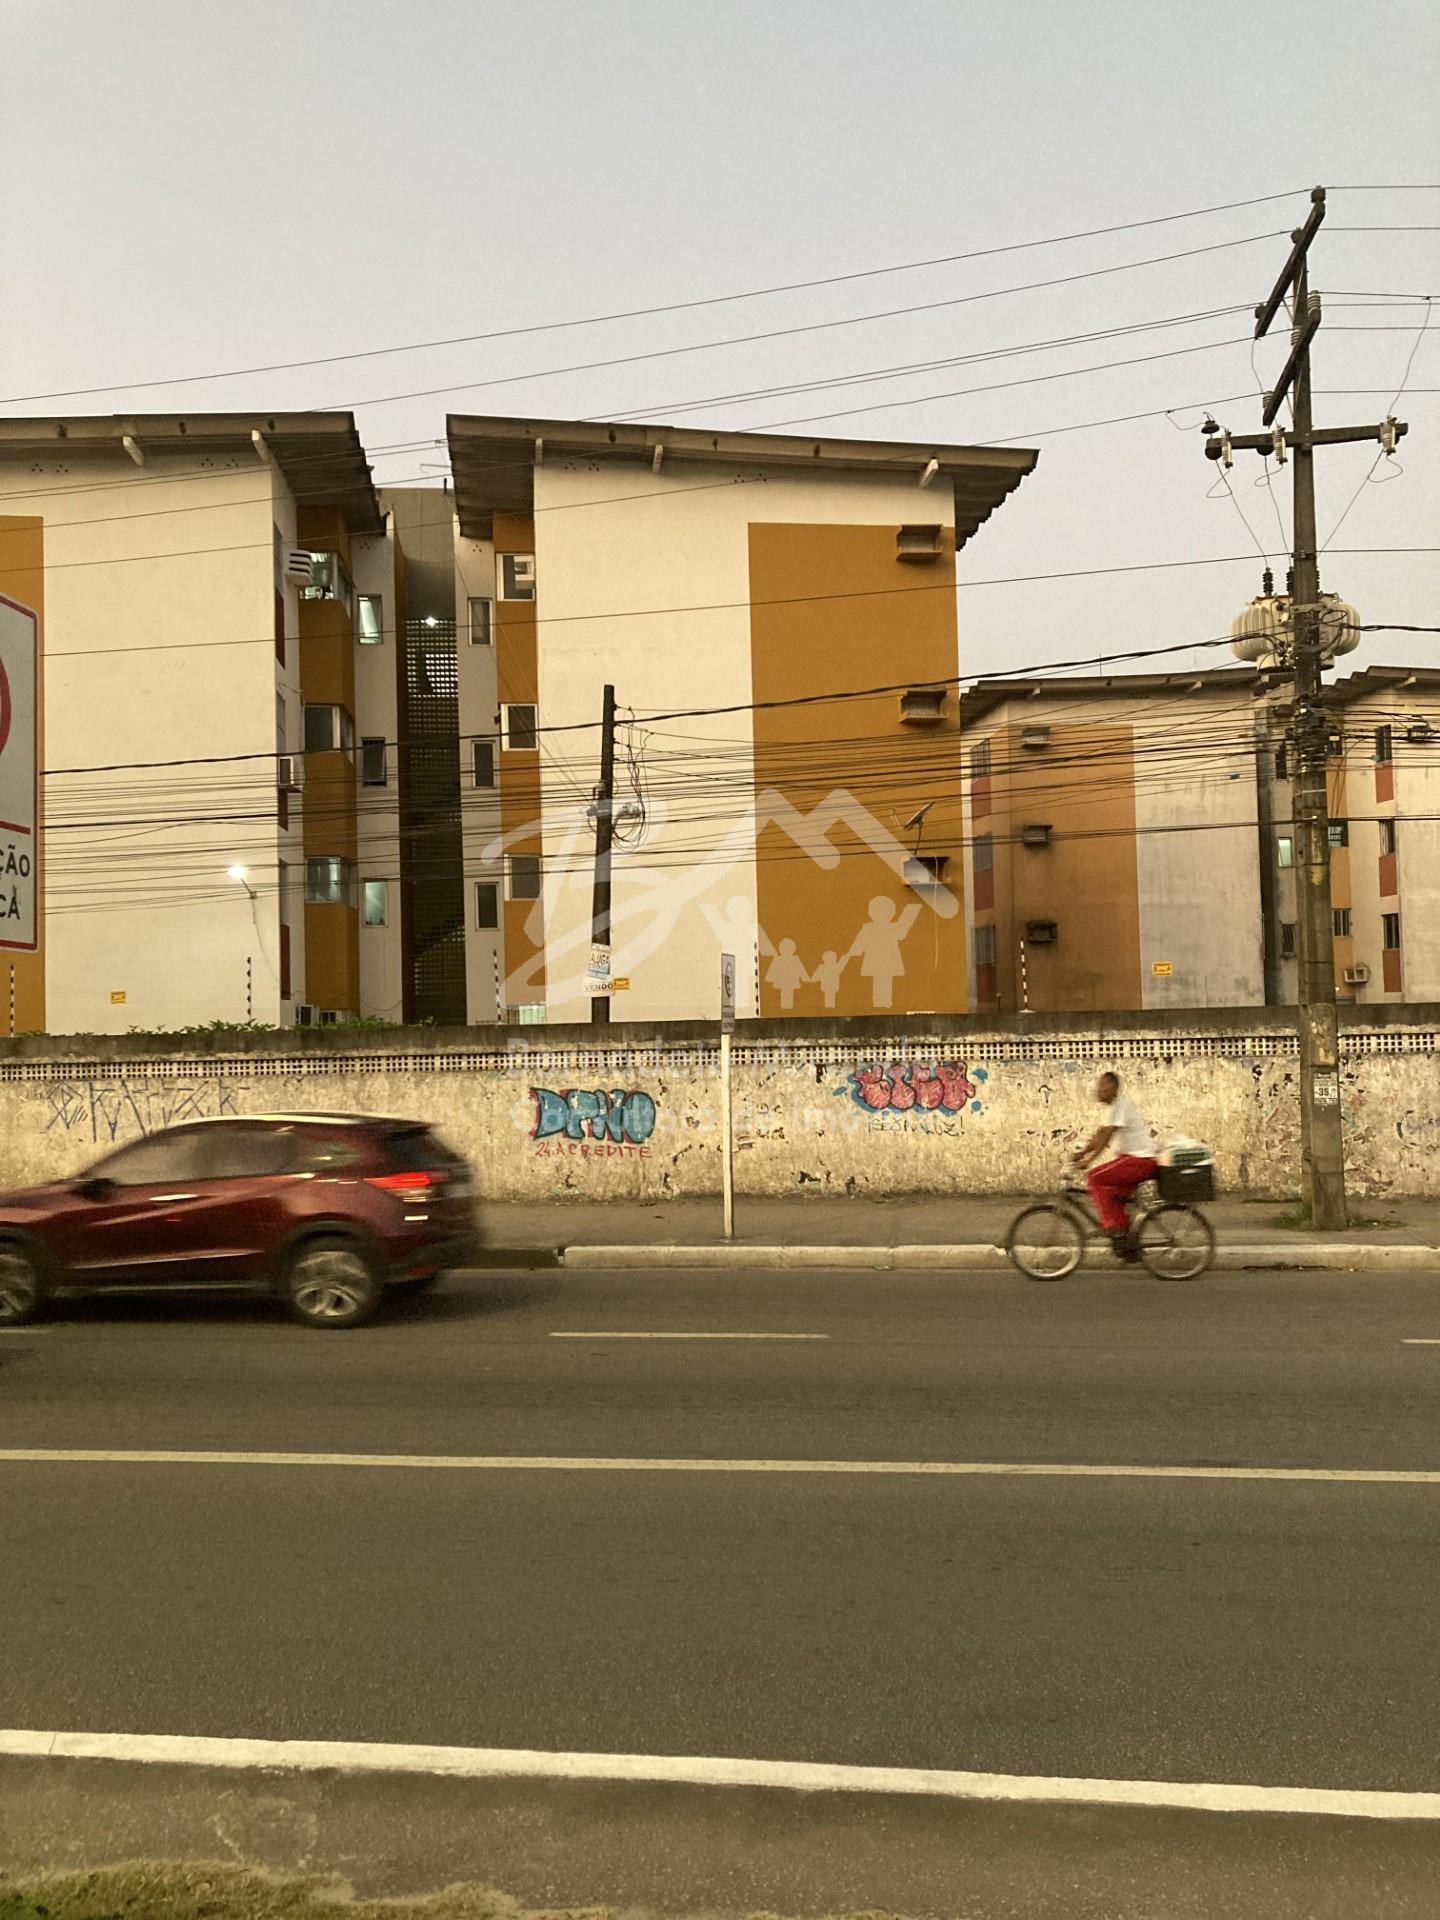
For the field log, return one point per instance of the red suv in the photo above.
(324, 1210)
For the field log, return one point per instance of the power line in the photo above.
(644, 313)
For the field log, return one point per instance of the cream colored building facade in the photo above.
(777, 618)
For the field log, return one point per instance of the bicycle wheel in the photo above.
(1175, 1242)
(1045, 1242)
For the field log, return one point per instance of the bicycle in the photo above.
(1047, 1241)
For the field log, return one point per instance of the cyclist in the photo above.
(1132, 1162)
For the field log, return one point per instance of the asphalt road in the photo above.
(1275, 1632)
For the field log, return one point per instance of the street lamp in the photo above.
(241, 876)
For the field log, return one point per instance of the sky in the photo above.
(195, 188)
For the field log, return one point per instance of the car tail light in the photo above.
(407, 1183)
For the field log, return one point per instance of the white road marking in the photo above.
(561, 1463)
(793, 1776)
(689, 1336)
(32, 1331)
(1420, 1343)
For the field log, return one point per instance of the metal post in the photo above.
(604, 841)
(727, 1139)
(1321, 1144)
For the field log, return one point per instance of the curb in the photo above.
(1335, 1256)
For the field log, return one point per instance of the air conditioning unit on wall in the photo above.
(1041, 933)
(1358, 975)
(290, 772)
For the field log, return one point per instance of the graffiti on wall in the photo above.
(116, 1109)
(904, 1095)
(590, 1123)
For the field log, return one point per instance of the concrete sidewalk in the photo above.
(908, 1231)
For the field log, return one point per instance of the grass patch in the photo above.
(146, 1892)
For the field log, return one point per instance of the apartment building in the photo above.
(218, 596)
(777, 618)
(1131, 839)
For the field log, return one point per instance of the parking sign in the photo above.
(19, 774)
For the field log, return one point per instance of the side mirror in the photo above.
(95, 1187)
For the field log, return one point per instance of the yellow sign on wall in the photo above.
(1161, 967)
(117, 998)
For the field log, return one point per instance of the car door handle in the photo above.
(169, 1199)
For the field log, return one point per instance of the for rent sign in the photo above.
(18, 774)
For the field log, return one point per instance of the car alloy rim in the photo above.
(17, 1286)
(331, 1284)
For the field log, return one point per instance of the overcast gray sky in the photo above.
(193, 187)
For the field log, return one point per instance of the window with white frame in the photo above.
(329, 882)
(522, 731)
(373, 769)
(517, 576)
(1387, 837)
(328, 729)
(984, 946)
(1285, 850)
(523, 876)
(329, 581)
(1340, 916)
(370, 620)
(487, 905)
(482, 623)
(374, 903)
(1390, 932)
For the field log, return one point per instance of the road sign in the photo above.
(1161, 967)
(19, 645)
(727, 993)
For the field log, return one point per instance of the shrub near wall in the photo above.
(938, 1107)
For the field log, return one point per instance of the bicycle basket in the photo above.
(1186, 1186)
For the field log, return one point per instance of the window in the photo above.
(328, 730)
(522, 735)
(279, 559)
(482, 623)
(1390, 932)
(1282, 762)
(517, 576)
(980, 761)
(329, 581)
(1287, 939)
(1340, 921)
(524, 869)
(1384, 745)
(373, 772)
(249, 1153)
(370, 620)
(1285, 851)
(984, 946)
(984, 852)
(1387, 837)
(327, 882)
(484, 762)
(165, 1159)
(487, 905)
(1339, 833)
(374, 903)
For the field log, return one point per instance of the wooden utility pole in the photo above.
(604, 842)
(1321, 1143)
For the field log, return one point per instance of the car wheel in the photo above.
(22, 1292)
(330, 1283)
(417, 1283)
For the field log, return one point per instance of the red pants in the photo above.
(1112, 1183)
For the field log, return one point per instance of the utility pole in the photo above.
(1321, 1142)
(604, 841)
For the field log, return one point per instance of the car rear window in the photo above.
(418, 1150)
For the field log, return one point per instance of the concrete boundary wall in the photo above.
(853, 1106)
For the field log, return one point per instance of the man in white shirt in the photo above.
(1126, 1137)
